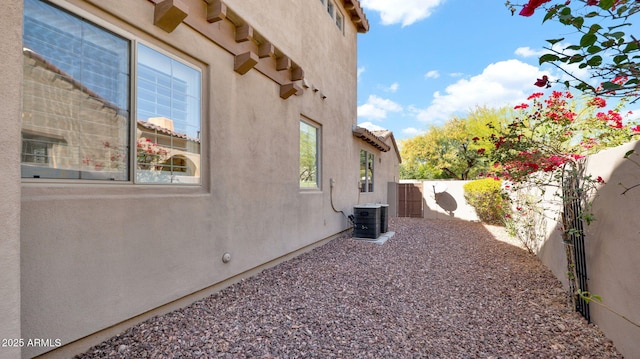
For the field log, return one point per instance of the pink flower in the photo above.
(543, 82)
(521, 106)
(531, 7)
(598, 102)
(535, 94)
(636, 128)
(600, 180)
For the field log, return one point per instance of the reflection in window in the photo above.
(309, 156)
(75, 97)
(76, 112)
(366, 171)
(168, 131)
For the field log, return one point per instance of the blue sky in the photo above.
(425, 61)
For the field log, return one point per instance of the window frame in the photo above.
(339, 20)
(134, 41)
(318, 154)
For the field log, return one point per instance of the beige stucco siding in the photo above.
(94, 255)
(11, 70)
(611, 246)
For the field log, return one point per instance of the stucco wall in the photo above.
(11, 70)
(94, 255)
(612, 245)
(444, 199)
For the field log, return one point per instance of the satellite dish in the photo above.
(439, 188)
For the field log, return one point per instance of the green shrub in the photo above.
(487, 197)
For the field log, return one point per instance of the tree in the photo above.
(603, 46)
(453, 150)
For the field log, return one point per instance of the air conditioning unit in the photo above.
(367, 221)
(384, 218)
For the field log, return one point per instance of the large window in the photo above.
(77, 104)
(366, 171)
(309, 155)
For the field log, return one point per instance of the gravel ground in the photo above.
(438, 289)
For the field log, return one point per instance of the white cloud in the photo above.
(456, 74)
(404, 12)
(371, 126)
(360, 71)
(412, 131)
(572, 69)
(526, 51)
(500, 84)
(433, 74)
(391, 88)
(377, 108)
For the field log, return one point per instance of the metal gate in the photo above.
(410, 200)
(575, 246)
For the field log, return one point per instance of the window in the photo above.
(330, 8)
(339, 20)
(366, 171)
(168, 113)
(77, 104)
(309, 156)
(334, 13)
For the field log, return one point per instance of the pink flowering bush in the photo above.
(545, 134)
(148, 154)
(542, 148)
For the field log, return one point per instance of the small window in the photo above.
(339, 20)
(330, 8)
(309, 156)
(366, 171)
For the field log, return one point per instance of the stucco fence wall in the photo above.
(612, 241)
(444, 199)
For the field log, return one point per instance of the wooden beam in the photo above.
(266, 49)
(216, 10)
(168, 14)
(288, 90)
(283, 63)
(297, 73)
(245, 62)
(244, 33)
